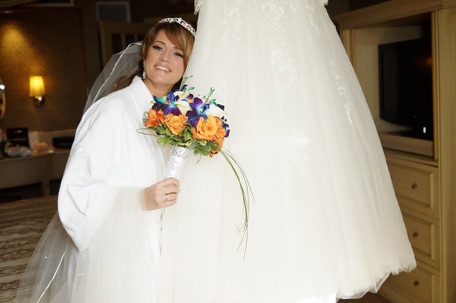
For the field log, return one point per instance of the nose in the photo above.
(164, 56)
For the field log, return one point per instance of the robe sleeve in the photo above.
(91, 185)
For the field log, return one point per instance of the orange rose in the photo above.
(205, 129)
(220, 134)
(161, 117)
(153, 118)
(175, 123)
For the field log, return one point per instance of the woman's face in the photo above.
(164, 65)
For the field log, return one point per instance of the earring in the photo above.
(144, 72)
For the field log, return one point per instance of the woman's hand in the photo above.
(161, 194)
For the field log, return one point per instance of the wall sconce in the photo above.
(37, 91)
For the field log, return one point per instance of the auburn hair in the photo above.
(177, 34)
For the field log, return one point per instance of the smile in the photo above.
(162, 68)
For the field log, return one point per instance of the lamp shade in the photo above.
(36, 86)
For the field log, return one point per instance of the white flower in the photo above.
(180, 94)
(183, 106)
(216, 111)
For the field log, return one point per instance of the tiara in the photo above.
(181, 22)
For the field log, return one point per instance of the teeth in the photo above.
(161, 67)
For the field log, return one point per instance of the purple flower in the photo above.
(198, 109)
(167, 104)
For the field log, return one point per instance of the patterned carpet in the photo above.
(21, 224)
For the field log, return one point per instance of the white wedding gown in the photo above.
(325, 223)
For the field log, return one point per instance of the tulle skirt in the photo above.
(325, 222)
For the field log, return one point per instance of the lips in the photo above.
(160, 67)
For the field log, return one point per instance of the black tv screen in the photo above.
(405, 82)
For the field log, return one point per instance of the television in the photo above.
(405, 84)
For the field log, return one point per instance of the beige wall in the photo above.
(47, 42)
(61, 43)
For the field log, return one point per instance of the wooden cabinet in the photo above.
(416, 182)
(423, 172)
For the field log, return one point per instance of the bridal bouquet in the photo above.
(182, 119)
(188, 122)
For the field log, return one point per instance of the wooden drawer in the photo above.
(419, 286)
(416, 185)
(424, 235)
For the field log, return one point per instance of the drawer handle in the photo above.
(414, 185)
(416, 283)
(416, 234)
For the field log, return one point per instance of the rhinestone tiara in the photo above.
(181, 22)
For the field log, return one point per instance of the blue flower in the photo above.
(167, 104)
(198, 109)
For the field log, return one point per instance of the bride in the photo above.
(104, 243)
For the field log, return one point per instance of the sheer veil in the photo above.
(120, 65)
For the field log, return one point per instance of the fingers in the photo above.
(162, 194)
(171, 183)
(169, 189)
(170, 199)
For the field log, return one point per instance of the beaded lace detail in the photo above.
(281, 57)
(198, 4)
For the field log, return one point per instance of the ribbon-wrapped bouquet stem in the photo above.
(193, 123)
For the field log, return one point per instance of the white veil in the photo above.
(123, 64)
(120, 65)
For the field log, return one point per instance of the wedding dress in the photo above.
(325, 223)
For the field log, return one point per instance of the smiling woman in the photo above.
(163, 65)
(113, 191)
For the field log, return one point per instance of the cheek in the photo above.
(151, 57)
(179, 66)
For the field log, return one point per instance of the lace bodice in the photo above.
(198, 4)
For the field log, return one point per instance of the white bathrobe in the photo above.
(99, 202)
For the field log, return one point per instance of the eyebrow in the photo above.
(174, 47)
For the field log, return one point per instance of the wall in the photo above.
(142, 9)
(32, 44)
(61, 43)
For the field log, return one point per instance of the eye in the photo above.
(179, 54)
(157, 47)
